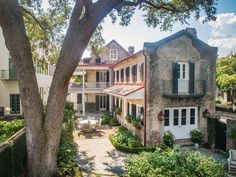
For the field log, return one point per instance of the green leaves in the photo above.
(171, 163)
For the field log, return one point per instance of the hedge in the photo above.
(13, 157)
(133, 150)
(225, 108)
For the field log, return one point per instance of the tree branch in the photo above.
(88, 6)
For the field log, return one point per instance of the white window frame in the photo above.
(113, 56)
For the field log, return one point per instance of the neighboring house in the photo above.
(169, 85)
(89, 95)
(9, 90)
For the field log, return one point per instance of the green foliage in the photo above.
(9, 128)
(226, 75)
(114, 122)
(129, 118)
(172, 163)
(66, 157)
(137, 122)
(231, 132)
(13, 157)
(196, 136)
(106, 118)
(225, 108)
(168, 139)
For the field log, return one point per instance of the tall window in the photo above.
(15, 103)
(122, 75)
(141, 72)
(167, 118)
(79, 98)
(127, 74)
(113, 54)
(134, 73)
(117, 75)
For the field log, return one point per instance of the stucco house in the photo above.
(10, 103)
(169, 85)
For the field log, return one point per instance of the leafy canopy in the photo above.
(46, 26)
(226, 73)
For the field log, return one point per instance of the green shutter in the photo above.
(97, 76)
(108, 103)
(97, 102)
(174, 78)
(191, 77)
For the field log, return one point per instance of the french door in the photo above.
(15, 103)
(180, 121)
(183, 77)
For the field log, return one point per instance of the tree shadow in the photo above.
(91, 135)
(84, 161)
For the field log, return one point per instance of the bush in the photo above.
(225, 108)
(128, 118)
(172, 163)
(168, 139)
(13, 157)
(66, 156)
(218, 102)
(196, 136)
(106, 118)
(231, 132)
(114, 122)
(137, 123)
(9, 128)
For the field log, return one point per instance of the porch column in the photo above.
(115, 80)
(130, 74)
(83, 96)
(125, 110)
(138, 72)
(110, 103)
(83, 103)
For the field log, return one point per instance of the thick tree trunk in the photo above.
(43, 128)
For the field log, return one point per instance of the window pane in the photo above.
(183, 118)
(167, 118)
(192, 116)
(178, 71)
(176, 117)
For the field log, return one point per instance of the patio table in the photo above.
(91, 122)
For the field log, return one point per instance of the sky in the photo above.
(221, 33)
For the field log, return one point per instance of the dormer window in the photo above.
(113, 54)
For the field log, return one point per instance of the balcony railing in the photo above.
(184, 88)
(7, 75)
(99, 85)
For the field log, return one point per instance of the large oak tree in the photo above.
(43, 126)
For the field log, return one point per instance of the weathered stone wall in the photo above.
(159, 63)
(230, 143)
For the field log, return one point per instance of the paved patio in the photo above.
(97, 154)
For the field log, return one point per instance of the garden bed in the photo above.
(124, 141)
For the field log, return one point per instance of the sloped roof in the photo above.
(123, 90)
(114, 41)
(203, 48)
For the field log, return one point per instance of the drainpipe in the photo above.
(145, 99)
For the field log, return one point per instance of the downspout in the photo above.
(145, 99)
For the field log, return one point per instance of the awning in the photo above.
(126, 91)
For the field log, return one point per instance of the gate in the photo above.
(220, 135)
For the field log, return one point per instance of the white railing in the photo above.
(91, 85)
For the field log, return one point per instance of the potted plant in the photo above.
(196, 137)
(137, 123)
(128, 118)
(168, 139)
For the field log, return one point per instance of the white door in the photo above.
(103, 79)
(183, 76)
(180, 121)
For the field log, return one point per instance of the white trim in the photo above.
(111, 55)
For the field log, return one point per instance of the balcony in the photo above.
(8, 75)
(184, 88)
(90, 85)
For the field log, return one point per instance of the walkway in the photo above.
(96, 154)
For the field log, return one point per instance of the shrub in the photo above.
(137, 123)
(172, 163)
(196, 136)
(66, 156)
(225, 108)
(9, 128)
(128, 118)
(114, 122)
(106, 118)
(168, 139)
(218, 102)
(231, 132)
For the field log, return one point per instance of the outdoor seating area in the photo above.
(88, 124)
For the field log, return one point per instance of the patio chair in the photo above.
(87, 128)
(232, 161)
(78, 125)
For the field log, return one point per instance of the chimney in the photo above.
(192, 31)
(131, 50)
